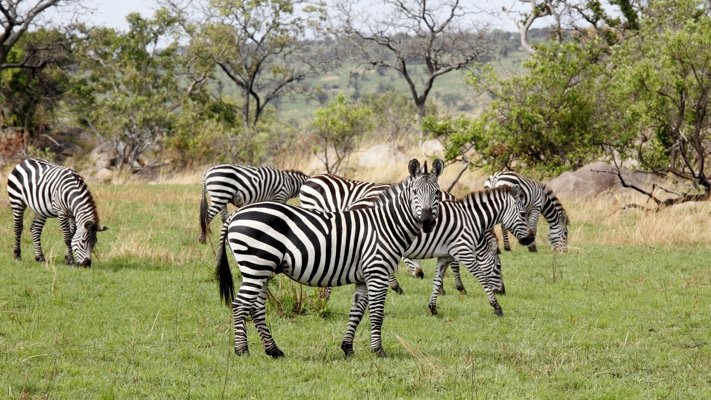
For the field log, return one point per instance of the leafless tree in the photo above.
(413, 33)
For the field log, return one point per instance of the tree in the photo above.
(16, 17)
(661, 90)
(260, 46)
(414, 33)
(127, 89)
(338, 127)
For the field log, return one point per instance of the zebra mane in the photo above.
(482, 193)
(89, 196)
(391, 193)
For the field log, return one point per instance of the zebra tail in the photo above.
(223, 272)
(203, 215)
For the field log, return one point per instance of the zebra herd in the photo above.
(344, 232)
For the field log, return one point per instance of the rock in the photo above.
(382, 153)
(433, 148)
(104, 175)
(596, 179)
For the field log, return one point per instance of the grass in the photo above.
(616, 317)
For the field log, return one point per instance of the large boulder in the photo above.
(598, 179)
(382, 154)
(433, 149)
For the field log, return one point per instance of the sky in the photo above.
(112, 13)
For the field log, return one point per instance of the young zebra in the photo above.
(540, 199)
(54, 191)
(242, 185)
(316, 248)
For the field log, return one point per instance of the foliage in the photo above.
(29, 97)
(662, 90)
(129, 89)
(545, 119)
(339, 126)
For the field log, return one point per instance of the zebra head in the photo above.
(84, 241)
(514, 215)
(424, 192)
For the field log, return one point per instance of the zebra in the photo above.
(463, 235)
(319, 248)
(54, 191)
(333, 193)
(242, 185)
(540, 199)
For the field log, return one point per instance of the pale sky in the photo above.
(112, 13)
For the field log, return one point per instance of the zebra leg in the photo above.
(259, 317)
(17, 213)
(377, 291)
(360, 302)
(533, 224)
(457, 277)
(36, 231)
(223, 214)
(413, 266)
(395, 285)
(68, 228)
(242, 306)
(505, 238)
(437, 284)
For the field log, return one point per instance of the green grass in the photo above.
(613, 322)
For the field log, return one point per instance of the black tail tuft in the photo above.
(223, 272)
(203, 215)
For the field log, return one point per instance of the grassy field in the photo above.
(624, 314)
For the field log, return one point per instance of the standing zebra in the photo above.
(463, 235)
(242, 185)
(539, 199)
(317, 248)
(54, 191)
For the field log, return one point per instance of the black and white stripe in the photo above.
(316, 248)
(53, 191)
(539, 200)
(462, 235)
(242, 185)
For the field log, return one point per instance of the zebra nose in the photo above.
(427, 220)
(86, 263)
(528, 239)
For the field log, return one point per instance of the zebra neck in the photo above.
(401, 221)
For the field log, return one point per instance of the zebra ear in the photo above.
(414, 167)
(103, 228)
(437, 166)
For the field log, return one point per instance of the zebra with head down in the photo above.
(53, 191)
(539, 200)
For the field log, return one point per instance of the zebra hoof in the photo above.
(419, 273)
(347, 348)
(507, 248)
(242, 352)
(462, 290)
(275, 352)
(499, 312)
(40, 259)
(202, 240)
(433, 309)
(441, 291)
(397, 289)
(379, 352)
(532, 248)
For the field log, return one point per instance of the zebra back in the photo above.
(334, 193)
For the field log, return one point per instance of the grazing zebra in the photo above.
(319, 248)
(242, 185)
(463, 235)
(54, 191)
(540, 199)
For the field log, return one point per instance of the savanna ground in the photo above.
(624, 314)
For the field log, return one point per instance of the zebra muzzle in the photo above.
(528, 239)
(427, 220)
